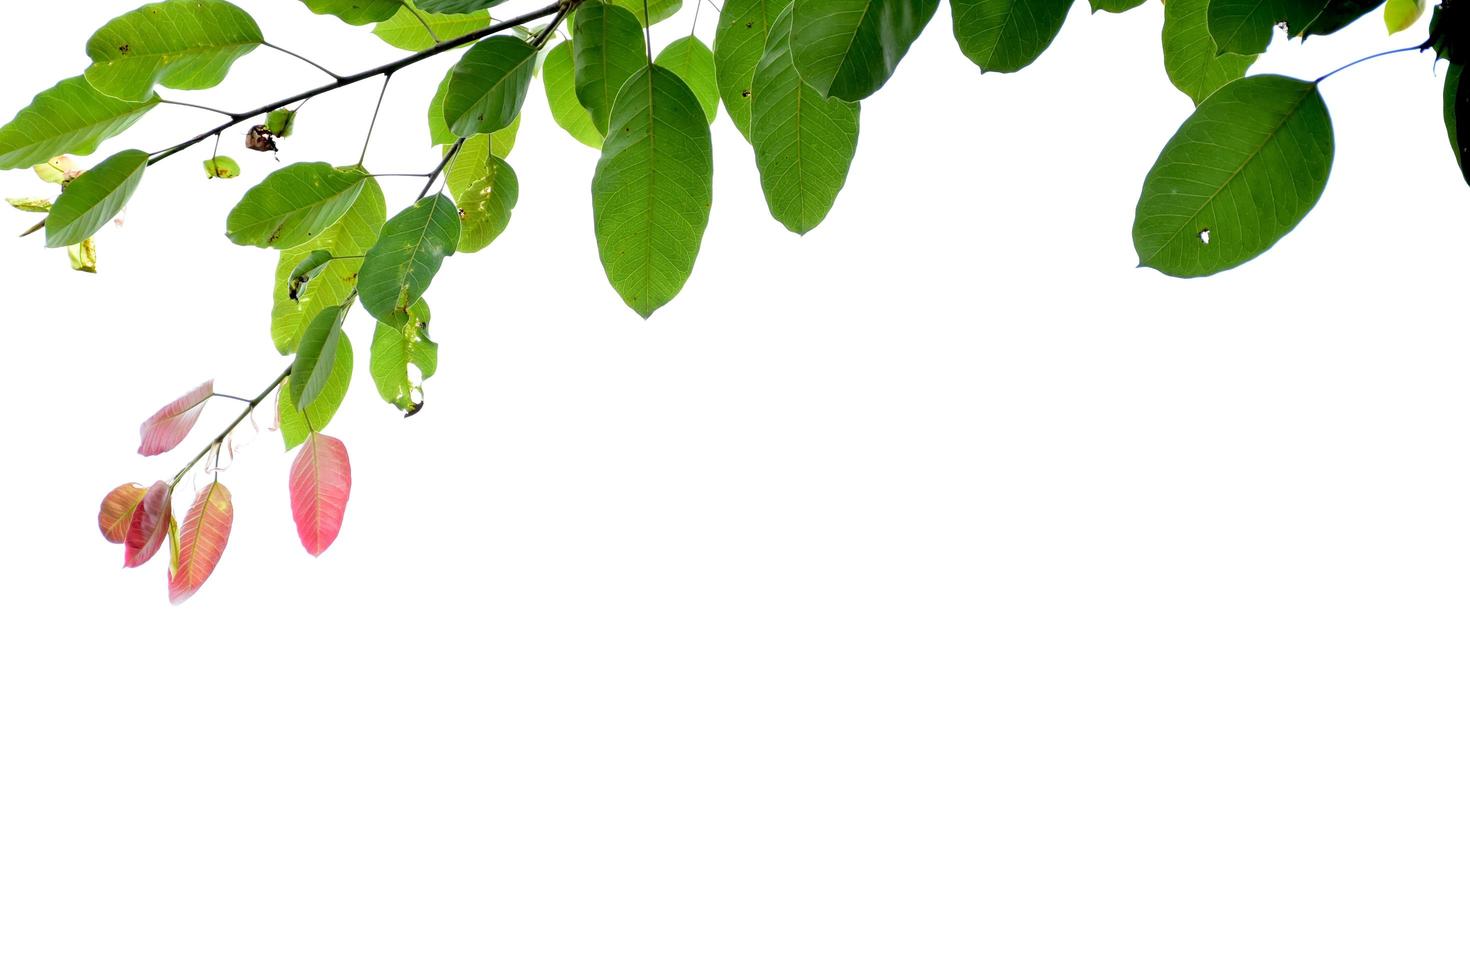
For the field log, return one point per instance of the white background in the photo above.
(935, 596)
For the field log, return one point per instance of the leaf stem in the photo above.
(219, 440)
(372, 125)
(302, 58)
(195, 105)
(1370, 57)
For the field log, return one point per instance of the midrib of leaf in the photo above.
(652, 184)
(1235, 173)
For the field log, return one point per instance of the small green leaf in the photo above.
(740, 41)
(305, 271)
(281, 122)
(485, 188)
(315, 355)
(183, 44)
(407, 256)
(223, 167)
(83, 255)
(1400, 15)
(59, 170)
(35, 205)
(69, 117)
(1007, 35)
(92, 200)
(295, 427)
(488, 86)
(1190, 57)
(559, 77)
(652, 189)
(406, 29)
(395, 350)
(608, 49)
(804, 143)
(1240, 173)
(356, 12)
(294, 204)
(847, 49)
(693, 61)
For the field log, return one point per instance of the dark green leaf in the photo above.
(740, 40)
(559, 77)
(652, 189)
(184, 44)
(407, 256)
(847, 49)
(1244, 26)
(316, 355)
(295, 426)
(294, 205)
(356, 12)
(456, 6)
(485, 188)
(1115, 6)
(1240, 173)
(395, 349)
(69, 117)
(1457, 116)
(1309, 18)
(95, 198)
(488, 86)
(803, 142)
(1006, 35)
(608, 49)
(1190, 57)
(690, 59)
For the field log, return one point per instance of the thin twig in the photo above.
(301, 58)
(1369, 57)
(195, 105)
(372, 125)
(225, 434)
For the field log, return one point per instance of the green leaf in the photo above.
(1400, 15)
(488, 86)
(456, 6)
(407, 256)
(1190, 57)
(92, 200)
(658, 10)
(847, 49)
(559, 78)
(295, 426)
(1114, 6)
(1240, 173)
(607, 50)
(485, 188)
(740, 41)
(804, 143)
(1244, 26)
(223, 167)
(1007, 35)
(693, 61)
(294, 205)
(59, 170)
(35, 205)
(281, 122)
(315, 355)
(1457, 116)
(406, 29)
(1309, 18)
(69, 117)
(352, 235)
(313, 265)
(652, 189)
(184, 44)
(356, 12)
(395, 349)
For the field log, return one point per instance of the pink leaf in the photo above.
(168, 426)
(117, 511)
(321, 479)
(149, 525)
(202, 541)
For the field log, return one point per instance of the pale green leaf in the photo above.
(93, 199)
(485, 189)
(222, 167)
(693, 61)
(847, 49)
(407, 256)
(410, 28)
(183, 44)
(740, 41)
(35, 205)
(1400, 15)
(69, 117)
(295, 426)
(398, 348)
(294, 204)
(559, 78)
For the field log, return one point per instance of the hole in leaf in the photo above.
(1204, 236)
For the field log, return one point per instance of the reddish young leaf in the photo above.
(149, 526)
(202, 541)
(168, 426)
(321, 479)
(117, 511)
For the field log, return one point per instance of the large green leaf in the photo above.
(803, 142)
(356, 12)
(847, 49)
(691, 59)
(294, 204)
(69, 117)
(315, 355)
(413, 30)
(352, 235)
(297, 425)
(395, 349)
(608, 50)
(93, 199)
(485, 188)
(1240, 173)
(652, 189)
(183, 44)
(740, 40)
(487, 88)
(1006, 35)
(558, 74)
(1190, 56)
(658, 10)
(407, 256)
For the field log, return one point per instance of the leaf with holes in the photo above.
(847, 49)
(803, 143)
(69, 117)
(652, 189)
(1240, 173)
(149, 526)
(116, 513)
(407, 256)
(1006, 35)
(321, 481)
(607, 51)
(488, 86)
(294, 205)
(183, 44)
(168, 426)
(202, 541)
(1190, 58)
(485, 189)
(93, 199)
(559, 78)
(395, 350)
